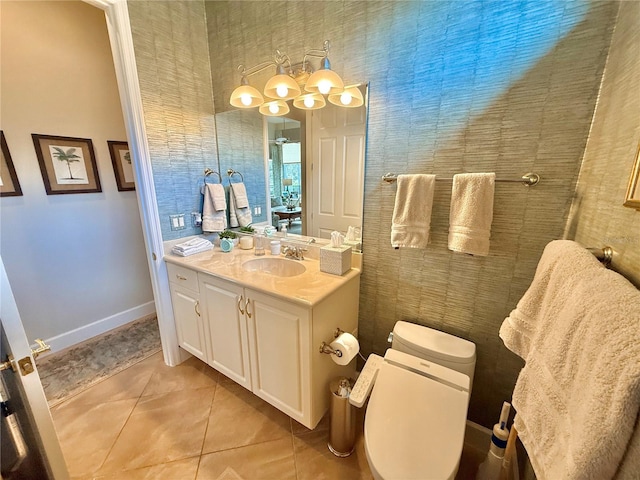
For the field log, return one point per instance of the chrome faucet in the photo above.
(293, 252)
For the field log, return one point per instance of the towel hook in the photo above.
(208, 172)
(231, 172)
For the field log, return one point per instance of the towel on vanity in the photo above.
(411, 220)
(214, 208)
(578, 396)
(239, 216)
(196, 245)
(471, 213)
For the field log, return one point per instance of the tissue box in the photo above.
(335, 260)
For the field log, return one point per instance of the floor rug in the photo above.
(74, 369)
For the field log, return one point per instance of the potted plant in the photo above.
(229, 234)
(248, 230)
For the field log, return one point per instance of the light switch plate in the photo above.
(177, 222)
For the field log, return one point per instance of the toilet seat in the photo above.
(414, 426)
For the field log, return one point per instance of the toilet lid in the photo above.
(414, 426)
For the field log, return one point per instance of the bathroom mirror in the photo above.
(632, 198)
(306, 168)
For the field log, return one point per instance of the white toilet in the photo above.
(415, 420)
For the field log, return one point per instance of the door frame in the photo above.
(121, 39)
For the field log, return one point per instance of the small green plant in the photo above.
(247, 229)
(228, 234)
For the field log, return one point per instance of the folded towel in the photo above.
(239, 216)
(240, 195)
(197, 245)
(214, 213)
(411, 220)
(578, 396)
(471, 213)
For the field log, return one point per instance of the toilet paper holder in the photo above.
(326, 348)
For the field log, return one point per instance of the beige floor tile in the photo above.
(239, 418)
(323, 425)
(178, 470)
(190, 374)
(130, 383)
(87, 432)
(269, 461)
(161, 429)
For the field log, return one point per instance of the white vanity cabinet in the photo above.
(185, 298)
(269, 342)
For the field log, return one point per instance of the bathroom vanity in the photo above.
(262, 328)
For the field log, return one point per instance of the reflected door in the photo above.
(336, 189)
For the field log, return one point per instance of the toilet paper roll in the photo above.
(347, 345)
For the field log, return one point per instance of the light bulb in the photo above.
(282, 91)
(273, 108)
(324, 86)
(245, 98)
(345, 98)
(308, 102)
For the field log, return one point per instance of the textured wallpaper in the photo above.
(505, 86)
(598, 217)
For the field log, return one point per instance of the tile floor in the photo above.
(190, 422)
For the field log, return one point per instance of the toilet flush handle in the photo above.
(390, 338)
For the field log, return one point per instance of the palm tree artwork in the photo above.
(68, 156)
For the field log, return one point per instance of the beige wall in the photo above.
(74, 259)
(597, 215)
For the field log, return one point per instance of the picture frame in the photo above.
(632, 198)
(9, 184)
(68, 164)
(122, 165)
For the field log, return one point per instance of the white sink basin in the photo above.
(280, 267)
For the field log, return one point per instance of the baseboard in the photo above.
(80, 334)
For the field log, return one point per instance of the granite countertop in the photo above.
(306, 289)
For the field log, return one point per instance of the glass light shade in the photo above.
(287, 182)
(324, 82)
(245, 96)
(282, 87)
(275, 108)
(351, 97)
(310, 101)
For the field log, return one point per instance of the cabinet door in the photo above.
(279, 338)
(189, 323)
(223, 306)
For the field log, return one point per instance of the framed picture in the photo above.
(67, 164)
(632, 198)
(121, 159)
(9, 185)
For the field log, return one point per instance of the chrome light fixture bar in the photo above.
(289, 82)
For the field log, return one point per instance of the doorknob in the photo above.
(42, 347)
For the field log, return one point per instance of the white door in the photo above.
(30, 447)
(336, 190)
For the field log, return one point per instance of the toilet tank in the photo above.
(435, 346)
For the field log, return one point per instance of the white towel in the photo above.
(193, 246)
(239, 216)
(411, 220)
(240, 195)
(578, 396)
(471, 213)
(214, 208)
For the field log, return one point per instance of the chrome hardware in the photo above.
(7, 364)
(42, 347)
(390, 338)
(180, 277)
(246, 308)
(604, 255)
(26, 367)
(326, 348)
(528, 179)
(195, 307)
(297, 253)
(239, 302)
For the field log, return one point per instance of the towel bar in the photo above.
(604, 255)
(529, 179)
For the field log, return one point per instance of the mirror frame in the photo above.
(632, 198)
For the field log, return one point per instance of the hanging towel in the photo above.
(471, 213)
(578, 397)
(214, 208)
(196, 245)
(239, 216)
(411, 220)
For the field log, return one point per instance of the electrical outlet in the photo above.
(177, 222)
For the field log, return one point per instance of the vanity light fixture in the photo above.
(289, 82)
